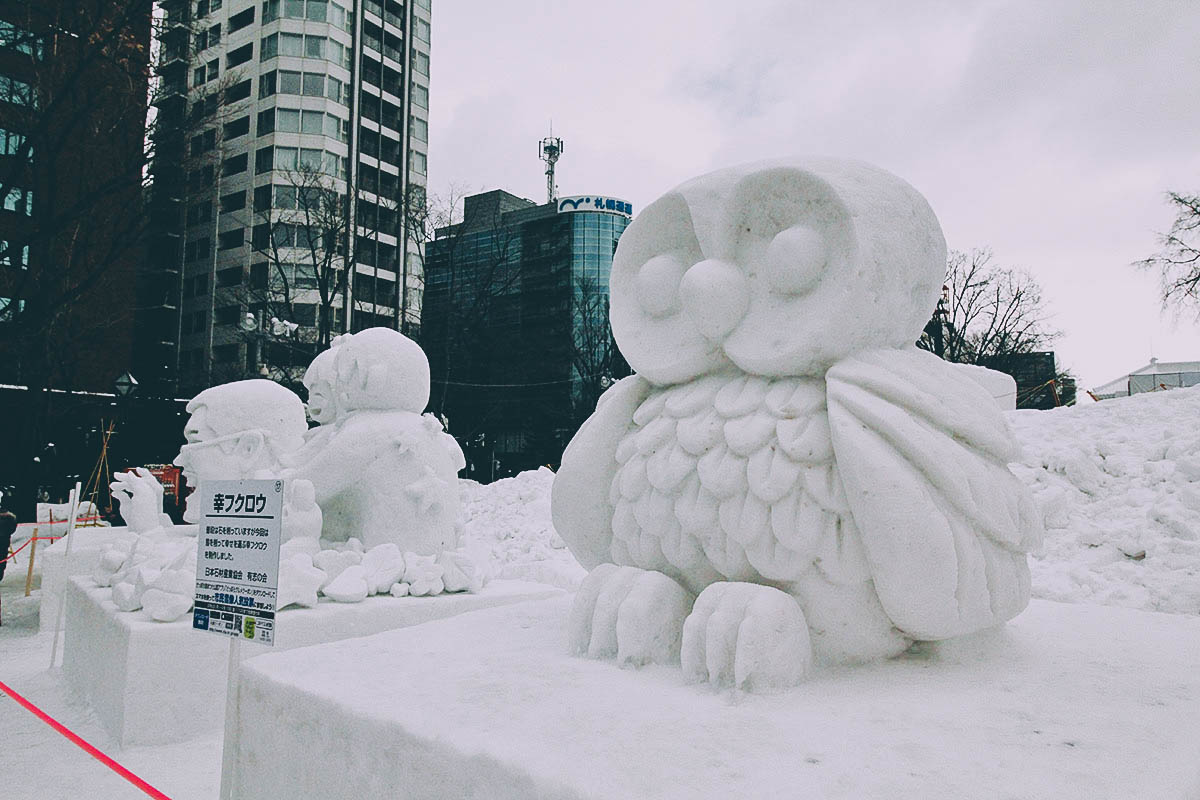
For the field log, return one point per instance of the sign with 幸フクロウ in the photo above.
(237, 559)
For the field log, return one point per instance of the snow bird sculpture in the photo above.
(787, 477)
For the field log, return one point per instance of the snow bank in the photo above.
(508, 527)
(1119, 484)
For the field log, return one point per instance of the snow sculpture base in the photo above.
(1066, 701)
(57, 569)
(154, 682)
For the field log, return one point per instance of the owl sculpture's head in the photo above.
(777, 268)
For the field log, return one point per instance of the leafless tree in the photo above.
(1178, 262)
(596, 361)
(476, 267)
(990, 312)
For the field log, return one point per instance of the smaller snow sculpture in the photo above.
(787, 478)
(239, 430)
(382, 472)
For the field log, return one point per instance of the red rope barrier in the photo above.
(87, 748)
(27, 543)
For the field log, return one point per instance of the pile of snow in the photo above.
(1119, 484)
(507, 525)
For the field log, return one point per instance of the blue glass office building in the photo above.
(516, 327)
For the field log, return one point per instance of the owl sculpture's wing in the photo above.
(579, 501)
(923, 451)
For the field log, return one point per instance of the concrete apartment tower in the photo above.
(291, 142)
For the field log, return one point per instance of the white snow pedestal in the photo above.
(1067, 701)
(154, 682)
(57, 569)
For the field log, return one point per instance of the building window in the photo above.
(19, 200)
(263, 159)
(19, 39)
(287, 120)
(258, 275)
(241, 20)
(266, 121)
(291, 44)
(214, 35)
(13, 256)
(234, 165)
(239, 91)
(270, 11)
(312, 122)
(420, 96)
(314, 84)
(9, 308)
(231, 239)
(235, 58)
(314, 46)
(266, 84)
(269, 48)
(11, 142)
(417, 162)
(316, 10)
(419, 128)
(422, 29)
(233, 202)
(199, 212)
(262, 198)
(239, 127)
(227, 278)
(285, 158)
(420, 63)
(289, 82)
(286, 197)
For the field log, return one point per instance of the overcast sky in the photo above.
(1048, 131)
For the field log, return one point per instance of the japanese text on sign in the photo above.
(237, 561)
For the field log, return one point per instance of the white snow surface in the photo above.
(1119, 485)
(507, 527)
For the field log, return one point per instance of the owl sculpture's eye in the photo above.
(657, 284)
(796, 259)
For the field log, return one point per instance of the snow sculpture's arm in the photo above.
(333, 459)
(141, 498)
(922, 451)
(579, 502)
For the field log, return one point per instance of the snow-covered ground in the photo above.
(1119, 482)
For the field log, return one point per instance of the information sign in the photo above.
(237, 559)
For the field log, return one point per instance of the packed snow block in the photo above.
(57, 569)
(1065, 701)
(158, 682)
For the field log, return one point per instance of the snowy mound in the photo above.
(509, 522)
(1119, 483)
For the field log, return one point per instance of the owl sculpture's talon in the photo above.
(632, 614)
(748, 636)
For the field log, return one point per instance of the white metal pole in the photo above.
(229, 743)
(62, 589)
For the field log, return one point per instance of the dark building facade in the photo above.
(74, 78)
(516, 324)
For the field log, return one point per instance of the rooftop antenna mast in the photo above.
(549, 149)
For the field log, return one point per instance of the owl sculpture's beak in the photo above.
(714, 295)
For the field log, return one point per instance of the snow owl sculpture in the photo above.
(786, 477)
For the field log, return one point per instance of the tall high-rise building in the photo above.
(517, 327)
(292, 139)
